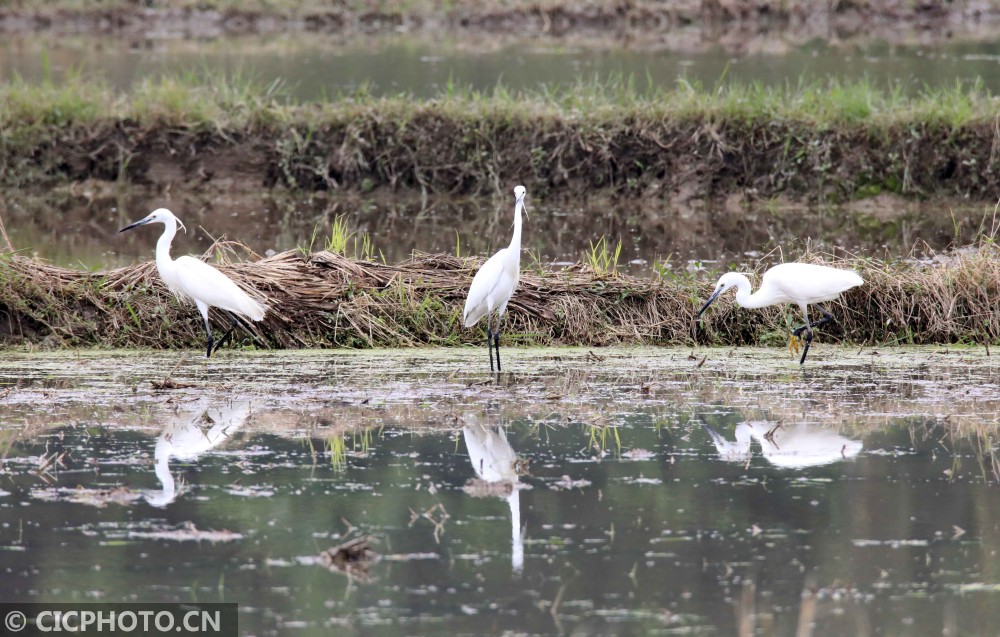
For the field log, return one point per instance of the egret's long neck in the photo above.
(745, 299)
(516, 539)
(515, 241)
(163, 259)
(162, 470)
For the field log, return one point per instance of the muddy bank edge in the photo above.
(445, 148)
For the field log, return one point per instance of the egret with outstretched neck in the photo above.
(803, 284)
(184, 438)
(193, 279)
(793, 446)
(495, 282)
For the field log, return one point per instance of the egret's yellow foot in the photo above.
(794, 342)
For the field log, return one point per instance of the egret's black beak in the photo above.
(525, 208)
(140, 222)
(710, 300)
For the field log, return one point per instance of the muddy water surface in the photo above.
(611, 492)
(314, 67)
(79, 229)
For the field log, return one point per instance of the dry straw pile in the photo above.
(327, 300)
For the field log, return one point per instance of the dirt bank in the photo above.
(676, 160)
(737, 25)
(326, 300)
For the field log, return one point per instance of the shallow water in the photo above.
(77, 227)
(647, 496)
(316, 66)
(81, 230)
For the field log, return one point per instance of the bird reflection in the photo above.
(786, 446)
(495, 464)
(193, 431)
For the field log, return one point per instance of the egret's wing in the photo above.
(206, 284)
(810, 282)
(804, 445)
(485, 281)
(475, 444)
(491, 455)
(737, 451)
(500, 455)
(504, 289)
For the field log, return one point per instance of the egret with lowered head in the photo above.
(495, 282)
(803, 284)
(193, 279)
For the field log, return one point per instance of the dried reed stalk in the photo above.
(327, 300)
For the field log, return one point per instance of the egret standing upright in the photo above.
(495, 282)
(191, 278)
(799, 283)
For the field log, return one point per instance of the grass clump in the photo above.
(601, 259)
(329, 300)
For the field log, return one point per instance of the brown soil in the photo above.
(737, 25)
(678, 162)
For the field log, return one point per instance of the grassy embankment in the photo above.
(324, 299)
(832, 142)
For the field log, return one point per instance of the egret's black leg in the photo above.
(489, 341)
(496, 337)
(229, 332)
(496, 344)
(243, 323)
(809, 340)
(237, 320)
(208, 330)
(807, 328)
(827, 317)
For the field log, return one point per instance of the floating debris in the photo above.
(479, 488)
(170, 383)
(352, 558)
(566, 483)
(187, 533)
(639, 454)
(99, 498)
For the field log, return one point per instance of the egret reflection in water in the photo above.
(495, 464)
(188, 435)
(794, 446)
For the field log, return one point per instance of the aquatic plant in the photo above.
(601, 258)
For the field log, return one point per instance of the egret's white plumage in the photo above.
(803, 284)
(738, 451)
(495, 282)
(494, 461)
(194, 280)
(795, 446)
(185, 438)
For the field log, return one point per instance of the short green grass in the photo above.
(602, 258)
(237, 100)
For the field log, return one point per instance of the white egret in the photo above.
(803, 284)
(738, 451)
(187, 438)
(193, 279)
(494, 461)
(795, 446)
(495, 282)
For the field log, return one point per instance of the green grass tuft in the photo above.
(601, 258)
